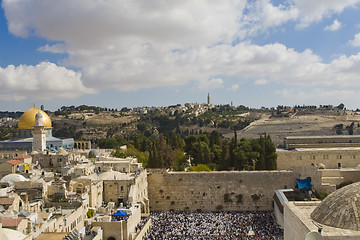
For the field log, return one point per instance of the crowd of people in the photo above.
(213, 225)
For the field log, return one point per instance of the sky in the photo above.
(128, 53)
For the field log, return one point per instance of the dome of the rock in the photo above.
(27, 120)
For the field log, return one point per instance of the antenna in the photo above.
(313, 236)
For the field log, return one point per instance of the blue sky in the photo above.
(119, 53)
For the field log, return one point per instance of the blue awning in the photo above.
(304, 183)
(120, 213)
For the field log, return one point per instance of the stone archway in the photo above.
(111, 238)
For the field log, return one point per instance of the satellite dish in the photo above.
(313, 236)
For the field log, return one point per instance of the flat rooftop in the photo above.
(52, 236)
(318, 149)
(323, 137)
(303, 210)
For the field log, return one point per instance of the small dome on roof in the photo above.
(340, 208)
(34, 152)
(321, 165)
(13, 178)
(63, 152)
(93, 152)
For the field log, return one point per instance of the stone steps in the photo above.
(332, 180)
(331, 173)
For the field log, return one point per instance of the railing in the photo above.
(141, 233)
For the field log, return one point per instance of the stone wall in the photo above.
(230, 191)
(352, 175)
(112, 230)
(296, 224)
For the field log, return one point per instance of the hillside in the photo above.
(93, 123)
(316, 123)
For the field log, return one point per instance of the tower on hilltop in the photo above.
(208, 99)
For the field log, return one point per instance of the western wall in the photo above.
(214, 191)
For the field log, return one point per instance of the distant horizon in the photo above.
(120, 107)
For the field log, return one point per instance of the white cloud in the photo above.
(211, 84)
(56, 48)
(233, 88)
(356, 41)
(336, 25)
(130, 45)
(312, 96)
(262, 81)
(314, 11)
(43, 81)
(85, 24)
(263, 14)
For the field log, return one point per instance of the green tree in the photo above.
(175, 141)
(271, 156)
(224, 164)
(215, 139)
(200, 153)
(267, 150)
(200, 168)
(154, 160)
(232, 149)
(180, 161)
(216, 155)
(108, 143)
(341, 106)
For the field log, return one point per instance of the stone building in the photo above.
(122, 229)
(331, 152)
(53, 161)
(93, 187)
(292, 142)
(11, 154)
(121, 188)
(124, 165)
(32, 190)
(331, 158)
(10, 167)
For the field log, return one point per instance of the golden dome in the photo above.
(27, 120)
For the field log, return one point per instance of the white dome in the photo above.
(340, 208)
(13, 178)
(63, 152)
(8, 234)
